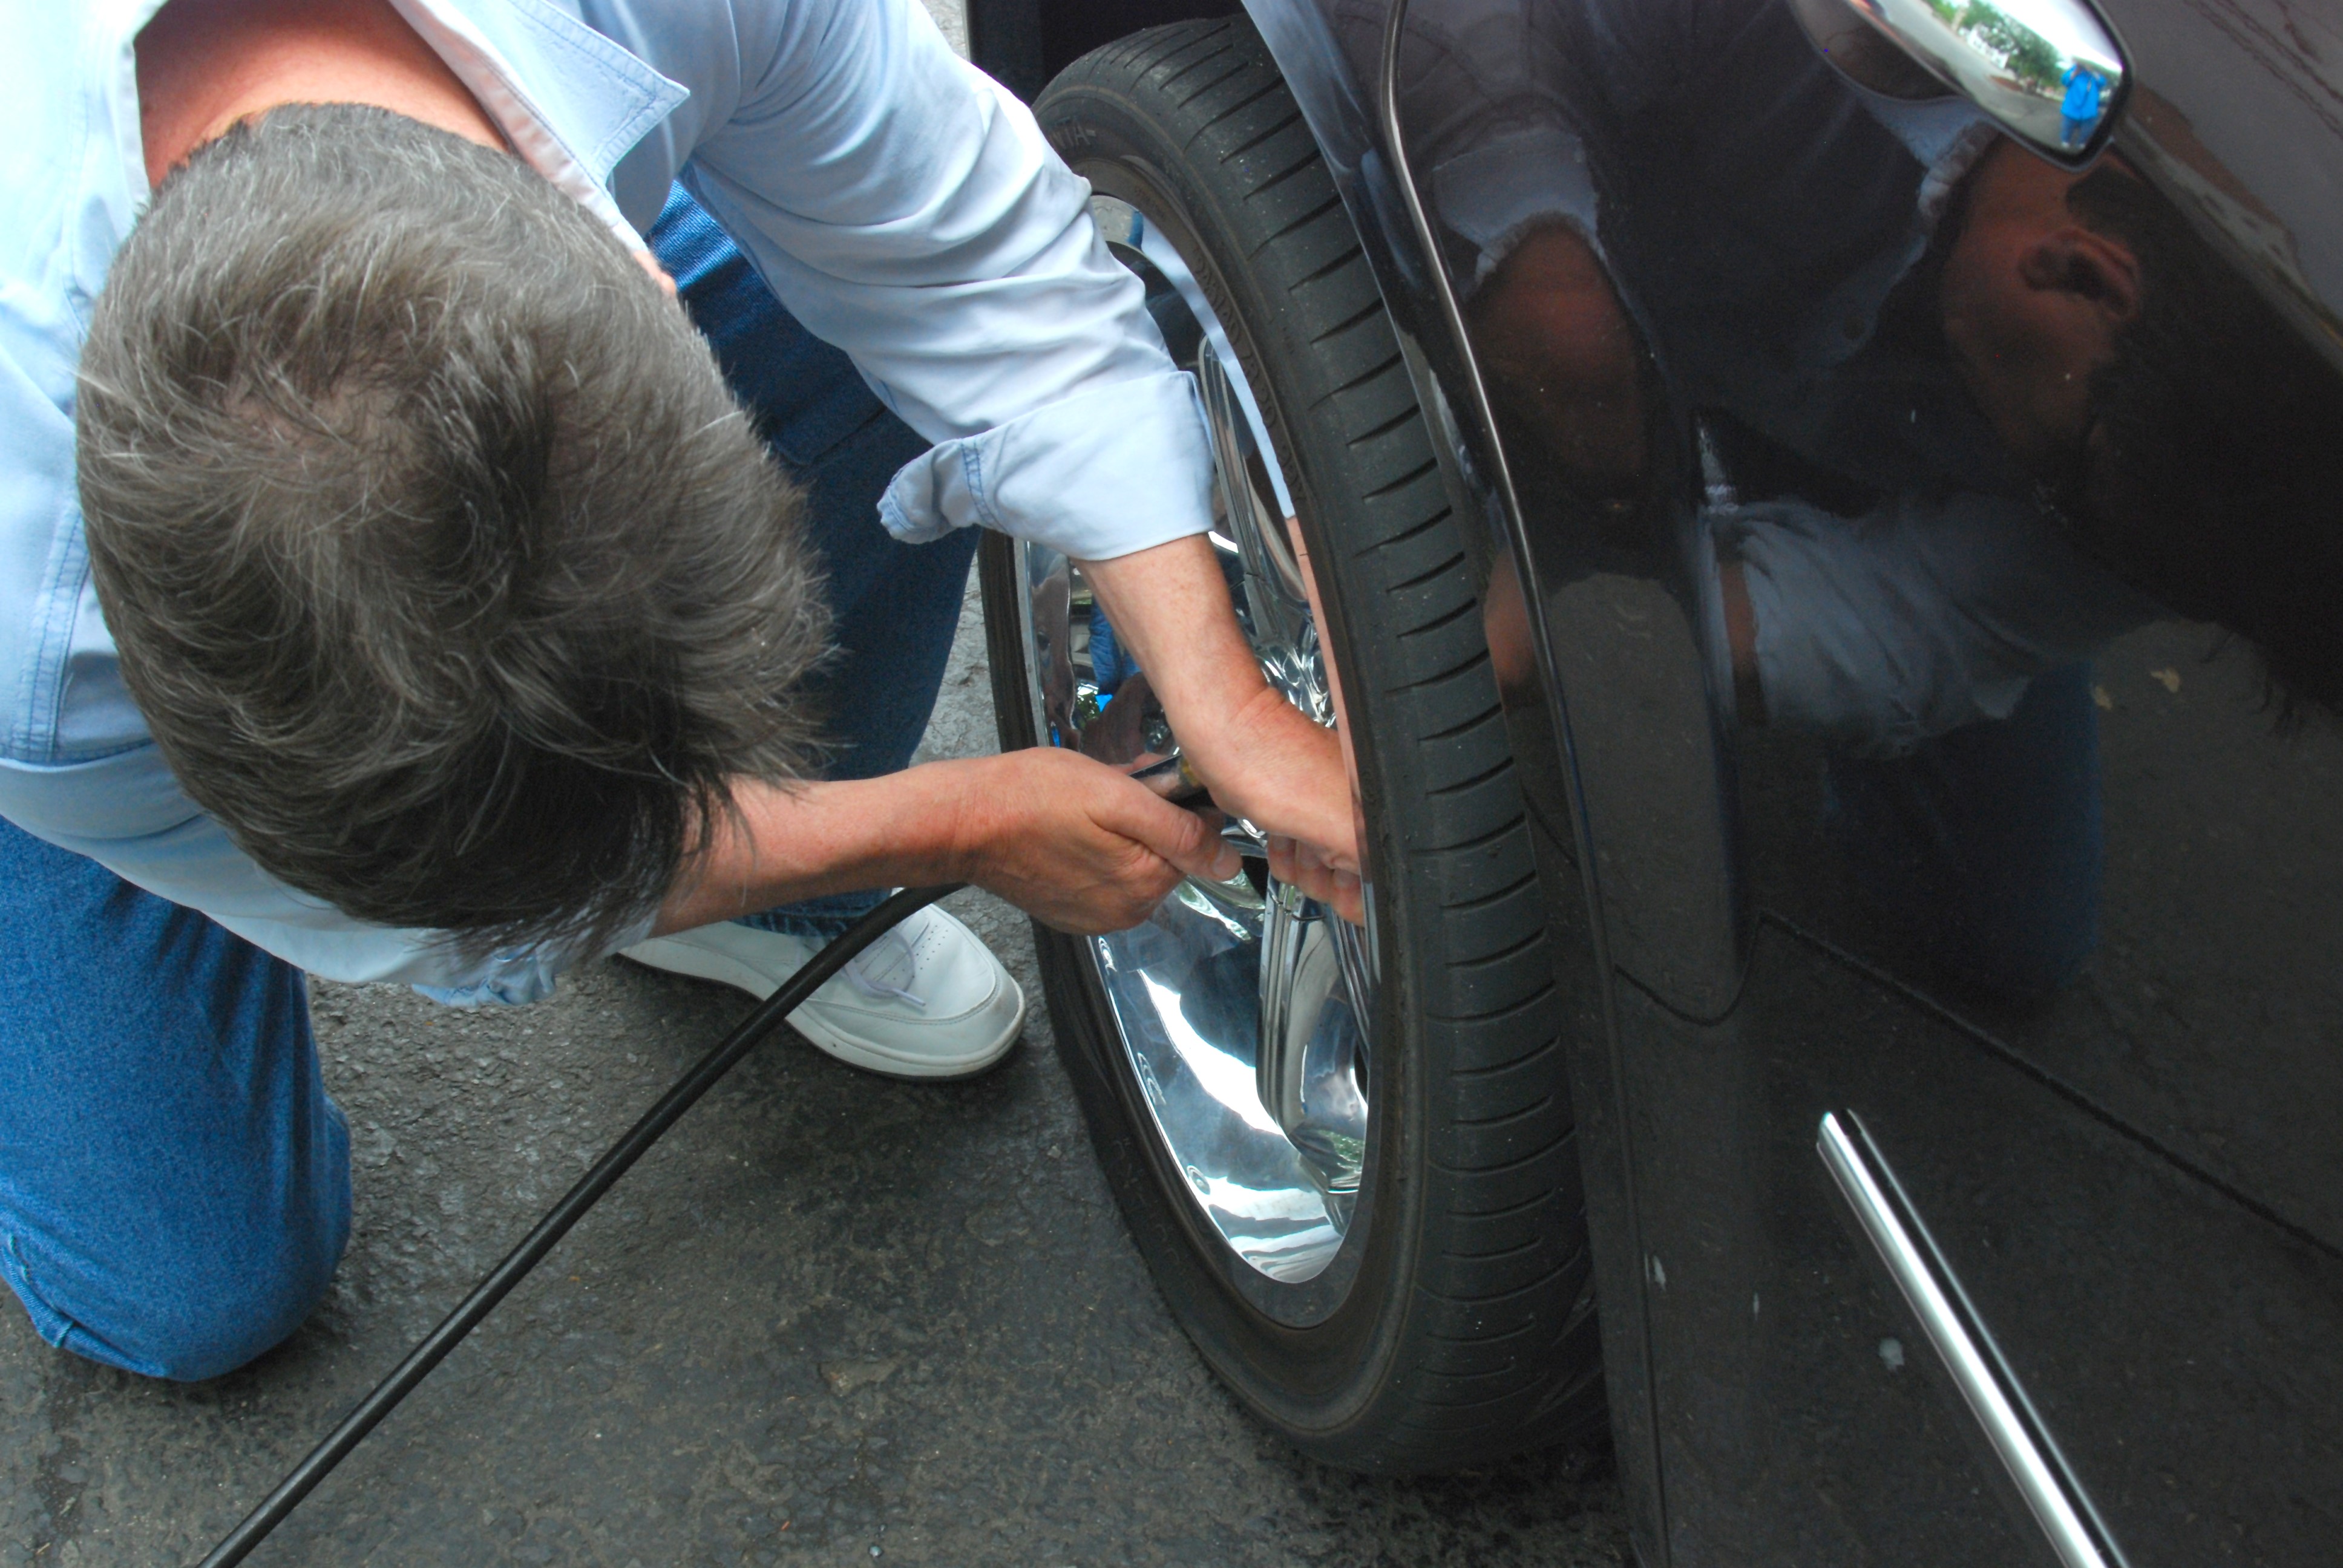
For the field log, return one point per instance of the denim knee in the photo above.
(175, 1186)
(237, 1311)
(222, 1309)
(188, 1297)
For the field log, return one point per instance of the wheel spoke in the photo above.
(1312, 1054)
(1243, 1008)
(1279, 604)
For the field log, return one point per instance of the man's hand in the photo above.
(1262, 759)
(1073, 842)
(1079, 846)
(1306, 866)
(1268, 763)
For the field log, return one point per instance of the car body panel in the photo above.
(1686, 309)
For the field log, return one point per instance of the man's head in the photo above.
(448, 574)
(2189, 433)
(2034, 298)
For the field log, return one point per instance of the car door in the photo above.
(1911, 437)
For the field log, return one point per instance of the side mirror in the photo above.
(2048, 72)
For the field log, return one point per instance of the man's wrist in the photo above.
(1214, 731)
(1170, 606)
(784, 842)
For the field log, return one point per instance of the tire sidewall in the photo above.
(1319, 1382)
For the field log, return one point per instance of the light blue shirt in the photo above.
(901, 204)
(1925, 615)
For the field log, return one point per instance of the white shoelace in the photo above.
(888, 967)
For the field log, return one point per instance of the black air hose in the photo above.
(572, 1208)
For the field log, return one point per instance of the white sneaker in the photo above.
(928, 1000)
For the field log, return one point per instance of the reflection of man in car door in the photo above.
(1944, 363)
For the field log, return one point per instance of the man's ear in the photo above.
(651, 264)
(2088, 265)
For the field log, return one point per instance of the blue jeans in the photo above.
(1983, 852)
(175, 1184)
(896, 605)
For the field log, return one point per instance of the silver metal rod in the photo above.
(2049, 1490)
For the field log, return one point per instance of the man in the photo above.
(433, 612)
(2078, 111)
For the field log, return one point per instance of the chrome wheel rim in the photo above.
(1243, 1009)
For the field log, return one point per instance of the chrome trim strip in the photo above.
(2042, 1478)
(1451, 311)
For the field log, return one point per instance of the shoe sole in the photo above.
(698, 963)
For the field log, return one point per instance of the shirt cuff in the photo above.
(515, 985)
(519, 976)
(1095, 475)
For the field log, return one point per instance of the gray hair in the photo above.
(449, 577)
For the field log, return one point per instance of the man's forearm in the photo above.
(1170, 606)
(1071, 842)
(812, 838)
(1262, 758)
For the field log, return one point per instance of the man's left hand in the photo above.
(1263, 760)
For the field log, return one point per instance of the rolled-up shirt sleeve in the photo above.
(908, 209)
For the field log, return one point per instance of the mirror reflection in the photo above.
(1962, 415)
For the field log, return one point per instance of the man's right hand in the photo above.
(1076, 844)
(1073, 842)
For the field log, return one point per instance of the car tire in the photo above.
(1463, 1329)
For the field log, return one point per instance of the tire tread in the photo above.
(1498, 1346)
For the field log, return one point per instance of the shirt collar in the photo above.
(571, 102)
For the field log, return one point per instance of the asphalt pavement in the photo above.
(832, 1319)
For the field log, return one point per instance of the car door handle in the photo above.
(2048, 72)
